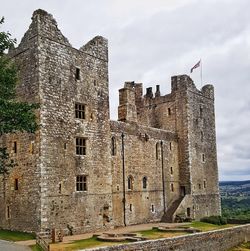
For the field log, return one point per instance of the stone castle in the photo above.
(81, 171)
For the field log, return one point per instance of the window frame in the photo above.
(81, 183)
(80, 110)
(81, 149)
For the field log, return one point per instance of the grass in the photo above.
(81, 244)
(157, 234)
(242, 247)
(203, 226)
(15, 235)
(35, 248)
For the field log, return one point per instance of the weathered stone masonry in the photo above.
(82, 171)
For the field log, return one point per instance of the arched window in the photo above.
(113, 146)
(130, 183)
(144, 182)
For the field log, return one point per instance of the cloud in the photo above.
(149, 41)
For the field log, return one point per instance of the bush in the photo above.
(216, 220)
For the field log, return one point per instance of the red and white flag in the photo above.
(195, 66)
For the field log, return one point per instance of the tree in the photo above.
(15, 116)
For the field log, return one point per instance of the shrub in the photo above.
(216, 220)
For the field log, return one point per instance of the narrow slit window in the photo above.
(172, 187)
(171, 170)
(81, 183)
(77, 73)
(8, 212)
(16, 185)
(79, 111)
(201, 112)
(130, 183)
(203, 157)
(32, 147)
(15, 147)
(144, 182)
(80, 146)
(113, 146)
(130, 207)
(170, 146)
(205, 184)
(152, 208)
(169, 111)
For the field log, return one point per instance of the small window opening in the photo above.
(201, 112)
(144, 182)
(8, 212)
(81, 183)
(16, 184)
(169, 111)
(32, 147)
(113, 146)
(65, 146)
(79, 111)
(157, 150)
(60, 188)
(94, 82)
(205, 184)
(171, 170)
(15, 147)
(188, 212)
(80, 146)
(199, 186)
(203, 157)
(77, 74)
(130, 183)
(170, 146)
(152, 208)
(130, 207)
(172, 187)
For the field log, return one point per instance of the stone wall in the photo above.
(218, 240)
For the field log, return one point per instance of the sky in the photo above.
(152, 40)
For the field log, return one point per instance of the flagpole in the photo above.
(201, 72)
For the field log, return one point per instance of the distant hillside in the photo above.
(235, 188)
(234, 183)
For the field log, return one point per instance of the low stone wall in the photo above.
(217, 240)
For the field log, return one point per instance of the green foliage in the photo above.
(216, 220)
(236, 208)
(15, 116)
(15, 235)
(6, 41)
(5, 162)
(36, 248)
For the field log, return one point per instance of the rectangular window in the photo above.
(79, 111)
(81, 183)
(171, 170)
(169, 111)
(170, 146)
(152, 208)
(77, 74)
(15, 147)
(8, 212)
(172, 187)
(205, 184)
(130, 207)
(80, 146)
(16, 184)
(203, 157)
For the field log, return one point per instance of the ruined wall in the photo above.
(143, 158)
(20, 206)
(218, 240)
(68, 76)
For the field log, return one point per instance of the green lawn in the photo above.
(36, 248)
(203, 226)
(157, 234)
(242, 247)
(81, 244)
(15, 235)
